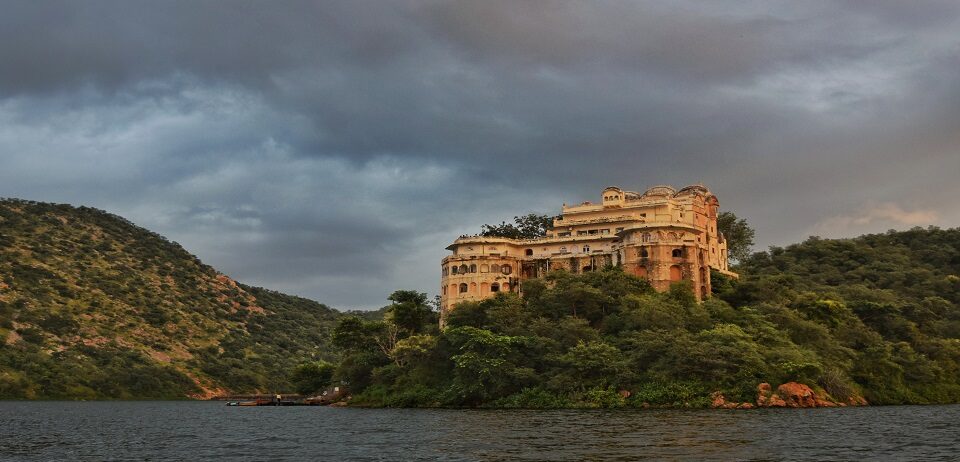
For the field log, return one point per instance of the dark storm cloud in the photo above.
(332, 149)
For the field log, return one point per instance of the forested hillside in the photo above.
(92, 306)
(892, 300)
(876, 316)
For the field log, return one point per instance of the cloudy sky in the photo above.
(333, 149)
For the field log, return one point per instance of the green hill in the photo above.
(92, 306)
(887, 307)
(875, 316)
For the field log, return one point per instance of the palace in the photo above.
(663, 235)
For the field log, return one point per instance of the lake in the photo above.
(210, 430)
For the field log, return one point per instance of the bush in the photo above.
(312, 377)
(533, 398)
(678, 394)
(606, 398)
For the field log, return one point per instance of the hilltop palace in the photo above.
(663, 235)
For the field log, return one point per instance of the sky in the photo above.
(334, 149)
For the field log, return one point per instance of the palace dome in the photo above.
(660, 191)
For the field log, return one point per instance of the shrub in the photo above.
(533, 398)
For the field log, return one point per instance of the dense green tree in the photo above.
(594, 364)
(410, 311)
(524, 227)
(487, 365)
(353, 334)
(312, 377)
(738, 234)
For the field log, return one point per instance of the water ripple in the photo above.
(202, 430)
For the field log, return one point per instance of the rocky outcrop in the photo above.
(790, 394)
(797, 395)
(720, 402)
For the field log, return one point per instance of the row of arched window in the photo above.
(464, 269)
(464, 288)
(675, 253)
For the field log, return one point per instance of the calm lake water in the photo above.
(210, 430)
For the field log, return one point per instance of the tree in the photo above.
(312, 377)
(528, 226)
(594, 364)
(738, 233)
(410, 311)
(352, 334)
(413, 349)
(486, 364)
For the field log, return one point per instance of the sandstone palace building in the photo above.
(663, 235)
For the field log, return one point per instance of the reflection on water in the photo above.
(204, 430)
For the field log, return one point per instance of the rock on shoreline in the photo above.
(789, 395)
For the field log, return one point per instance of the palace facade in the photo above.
(664, 235)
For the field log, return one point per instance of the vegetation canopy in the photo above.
(874, 316)
(94, 307)
(738, 234)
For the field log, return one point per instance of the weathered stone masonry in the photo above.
(663, 235)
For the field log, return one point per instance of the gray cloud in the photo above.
(332, 149)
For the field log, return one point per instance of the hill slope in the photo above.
(92, 306)
(893, 299)
(874, 317)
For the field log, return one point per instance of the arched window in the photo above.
(473, 287)
(453, 270)
(463, 288)
(464, 269)
(677, 253)
(473, 268)
(494, 268)
(506, 269)
(494, 287)
(484, 268)
(444, 290)
(505, 287)
(453, 289)
(644, 253)
(529, 251)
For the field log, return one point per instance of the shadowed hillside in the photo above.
(92, 306)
